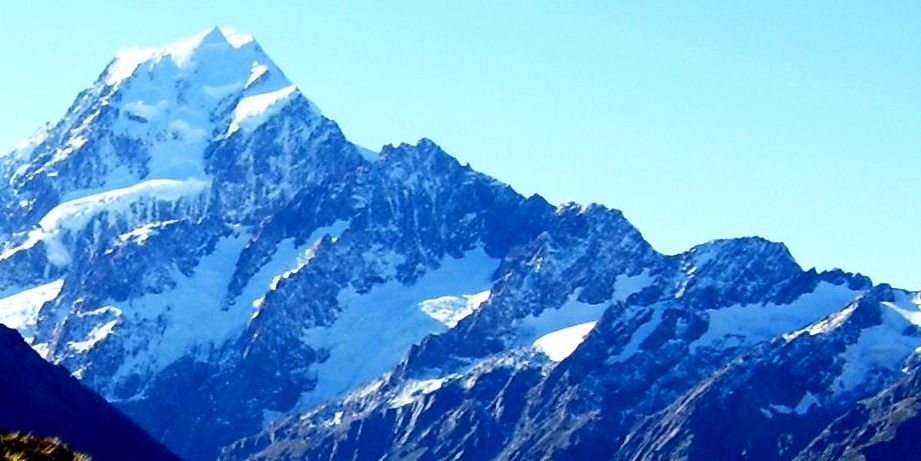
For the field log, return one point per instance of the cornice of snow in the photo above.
(180, 52)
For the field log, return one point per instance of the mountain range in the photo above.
(197, 243)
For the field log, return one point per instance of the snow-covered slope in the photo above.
(197, 242)
(194, 234)
(577, 390)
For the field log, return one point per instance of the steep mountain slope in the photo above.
(647, 350)
(773, 400)
(198, 243)
(884, 426)
(44, 400)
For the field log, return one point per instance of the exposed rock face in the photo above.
(885, 426)
(198, 243)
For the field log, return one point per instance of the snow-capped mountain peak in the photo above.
(159, 114)
(186, 52)
(196, 242)
(218, 77)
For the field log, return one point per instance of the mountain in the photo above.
(657, 377)
(199, 244)
(884, 426)
(44, 400)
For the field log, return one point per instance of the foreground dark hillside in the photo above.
(44, 400)
(22, 447)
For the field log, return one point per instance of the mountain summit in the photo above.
(196, 242)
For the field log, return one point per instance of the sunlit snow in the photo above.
(73, 215)
(288, 258)
(376, 329)
(413, 389)
(452, 309)
(743, 325)
(252, 111)
(139, 200)
(562, 343)
(179, 92)
(181, 52)
(572, 313)
(805, 403)
(881, 347)
(20, 311)
(190, 323)
(97, 334)
(626, 285)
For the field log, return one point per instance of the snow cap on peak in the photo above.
(214, 43)
(220, 36)
(213, 35)
(236, 38)
(176, 98)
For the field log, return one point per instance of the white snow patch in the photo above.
(805, 403)
(73, 215)
(217, 92)
(452, 309)
(801, 408)
(74, 143)
(236, 38)
(97, 334)
(909, 310)
(743, 325)
(126, 62)
(140, 234)
(258, 71)
(414, 389)
(20, 311)
(185, 131)
(32, 238)
(190, 314)
(366, 390)
(825, 325)
(571, 313)
(882, 347)
(287, 260)
(562, 343)
(625, 285)
(782, 409)
(144, 110)
(253, 111)
(376, 329)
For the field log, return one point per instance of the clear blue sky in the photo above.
(796, 121)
